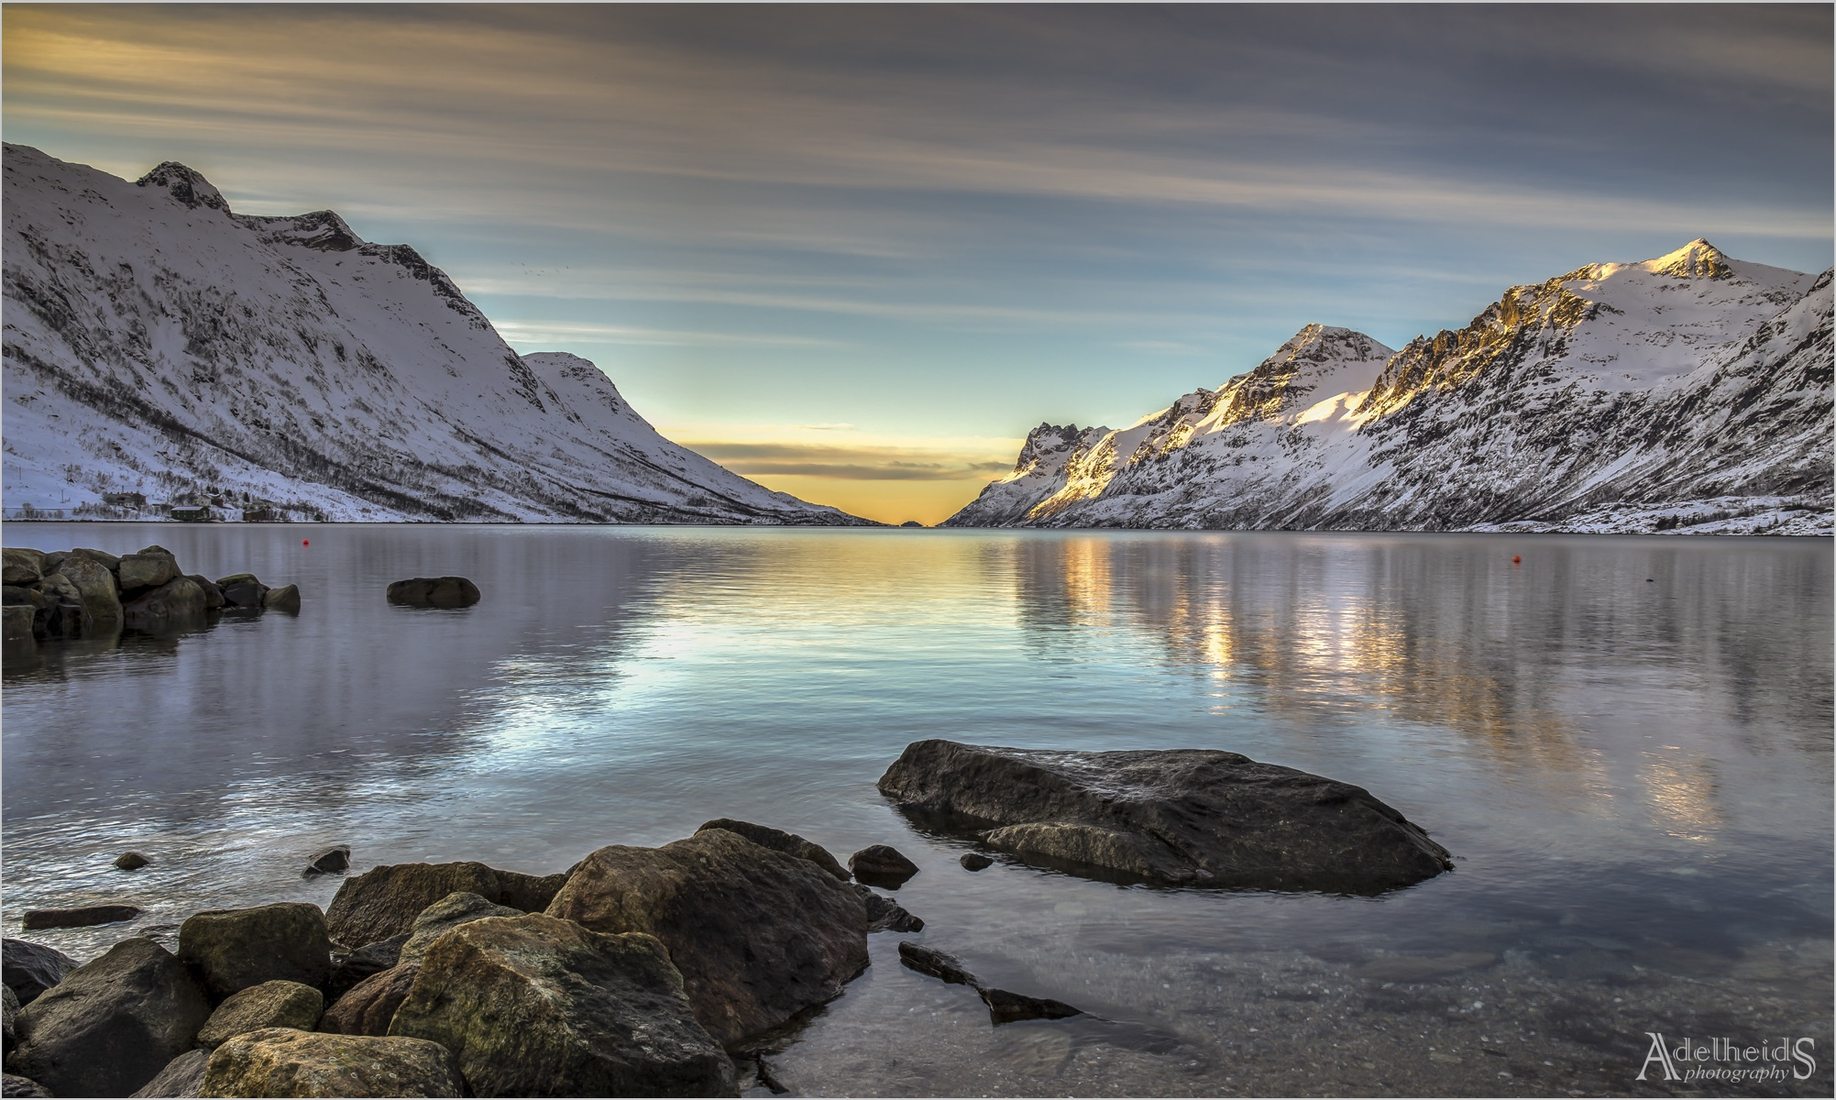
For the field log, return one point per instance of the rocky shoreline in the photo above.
(666, 971)
(65, 595)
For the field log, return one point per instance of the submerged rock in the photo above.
(81, 916)
(233, 949)
(1175, 817)
(280, 1061)
(975, 861)
(881, 865)
(112, 1024)
(29, 969)
(131, 861)
(270, 1004)
(759, 936)
(938, 964)
(537, 1006)
(1004, 1006)
(781, 841)
(886, 915)
(434, 592)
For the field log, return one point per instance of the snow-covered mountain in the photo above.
(159, 344)
(1691, 392)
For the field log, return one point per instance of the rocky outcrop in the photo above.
(29, 969)
(434, 592)
(270, 1004)
(759, 936)
(112, 1024)
(384, 901)
(233, 949)
(537, 1006)
(779, 840)
(90, 593)
(1187, 817)
(284, 1062)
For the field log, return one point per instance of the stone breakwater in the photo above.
(64, 595)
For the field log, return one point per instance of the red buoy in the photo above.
(1515, 560)
(305, 542)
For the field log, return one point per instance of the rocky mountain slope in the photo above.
(158, 343)
(1691, 392)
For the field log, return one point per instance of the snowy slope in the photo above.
(156, 342)
(1687, 392)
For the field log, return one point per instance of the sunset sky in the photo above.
(857, 252)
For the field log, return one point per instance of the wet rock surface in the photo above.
(270, 1004)
(779, 840)
(81, 916)
(233, 949)
(384, 901)
(442, 592)
(1180, 817)
(882, 865)
(285, 1062)
(759, 936)
(29, 969)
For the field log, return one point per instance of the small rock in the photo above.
(285, 599)
(779, 840)
(538, 1006)
(11, 1084)
(270, 1004)
(434, 592)
(233, 949)
(938, 964)
(975, 861)
(330, 860)
(131, 861)
(112, 1024)
(183, 1076)
(368, 1006)
(881, 865)
(351, 967)
(886, 915)
(81, 916)
(279, 1061)
(29, 969)
(1006, 1008)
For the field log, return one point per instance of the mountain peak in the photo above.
(1696, 260)
(187, 185)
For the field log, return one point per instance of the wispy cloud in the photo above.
(855, 463)
(527, 334)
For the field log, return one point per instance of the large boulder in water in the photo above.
(95, 586)
(537, 1006)
(384, 901)
(112, 1024)
(284, 599)
(280, 1061)
(174, 605)
(233, 949)
(434, 592)
(151, 568)
(1188, 817)
(29, 969)
(242, 590)
(759, 936)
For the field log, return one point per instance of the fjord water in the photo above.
(1625, 742)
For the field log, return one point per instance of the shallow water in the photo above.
(1626, 743)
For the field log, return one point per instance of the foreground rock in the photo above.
(384, 901)
(233, 949)
(183, 1076)
(759, 936)
(111, 1025)
(368, 1007)
(12, 1085)
(881, 865)
(537, 1006)
(283, 1062)
(434, 592)
(29, 969)
(1175, 817)
(781, 841)
(270, 1004)
(442, 917)
(81, 916)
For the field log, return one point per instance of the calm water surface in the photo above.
(1625, 742)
